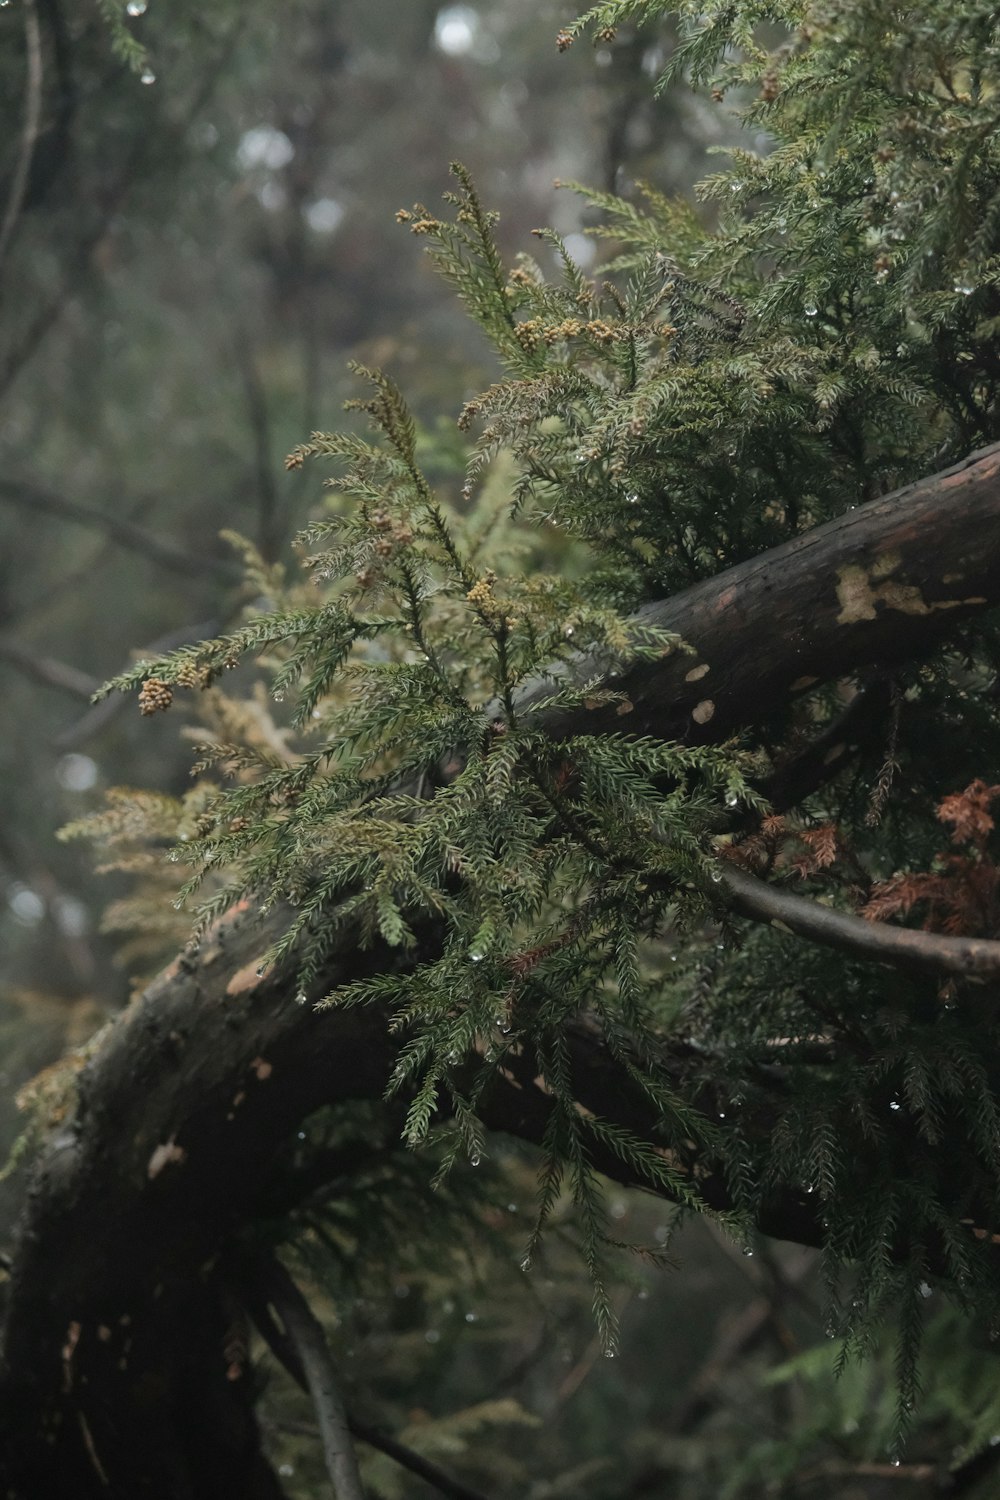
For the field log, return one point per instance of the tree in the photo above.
(651, 824)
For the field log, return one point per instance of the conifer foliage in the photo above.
(822, 330)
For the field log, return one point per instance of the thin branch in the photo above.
(80, 256)
(405, 1457)
(306, 1336)
(48, 671)
(825, 756)
(29, 135)
(286, 1354)
(126, 533)
(902, 947)
(258, 420)
(415, 1462)
(99, 715)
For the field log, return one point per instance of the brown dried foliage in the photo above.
(961, 896)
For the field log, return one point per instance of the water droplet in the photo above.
(526, 1264)
(568, 630)
(475, 955)
(810, 309)
(966, 291)
(716, 875)
(925, 1289)
(301, 998)
(632, 499)
(173, 856)
(747, 1250)
(279, 696)
(472, 1317)
(894, 1104)
(177, 904)
(136, 7)
(260, 971)
(731, 799)
(896, 1463)
(147, 76)
(722, 1114)
(475, 1158)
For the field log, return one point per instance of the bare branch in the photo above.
(259, 423)
(902, 947)
(306, 1335)
(29, 135)
(164, 554)
(48, 671)
(878, 585)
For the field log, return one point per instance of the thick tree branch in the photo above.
(877, 586)
(922, 952)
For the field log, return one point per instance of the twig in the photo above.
(32, 117)
(125, 533)
(47, 670)
(890, 765)
(927, 952)
(916, 1473)
(258, 420)
(305, 1334)
(100, 714)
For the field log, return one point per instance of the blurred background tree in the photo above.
(190, 251)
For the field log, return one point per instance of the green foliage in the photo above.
(720, 390)
(124, 43)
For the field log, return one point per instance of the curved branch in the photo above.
(306, 1336)
(902, 947)
(286, 1355)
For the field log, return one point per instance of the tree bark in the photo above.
(113, 1377)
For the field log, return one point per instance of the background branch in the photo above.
(306, 1335)
(29, 133)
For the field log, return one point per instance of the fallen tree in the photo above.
(112, 1376)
